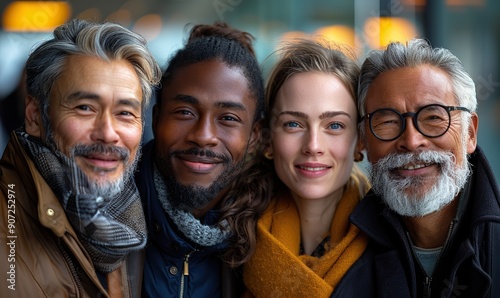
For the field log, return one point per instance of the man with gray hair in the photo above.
(433, 214)
(70, 212)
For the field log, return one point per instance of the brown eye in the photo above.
(83, 108)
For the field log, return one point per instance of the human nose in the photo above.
(203, 133)
(105, 130)
(411, 138)
(313, 143)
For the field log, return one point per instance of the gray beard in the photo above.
(108, 227)
(105, 189)
(408, 196)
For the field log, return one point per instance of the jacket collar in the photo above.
(367, 217)
(484, 204)
(485, 193)
(49, 210)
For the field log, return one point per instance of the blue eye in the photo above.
(336, 126)
(291, 124)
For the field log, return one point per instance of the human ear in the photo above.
(359, 148)
(472, 131)
(33, 117)
(268, 152)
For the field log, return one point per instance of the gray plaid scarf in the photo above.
(109, 228)
(191, 227)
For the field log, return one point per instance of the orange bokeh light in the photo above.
(339, 34)
(35, 16)
(379, 32)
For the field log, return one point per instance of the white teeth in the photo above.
(415, 167)
(312, 169)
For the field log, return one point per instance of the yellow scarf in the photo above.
(277, 270)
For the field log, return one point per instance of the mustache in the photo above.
(201, 152)
(83, 150)
(397, 160)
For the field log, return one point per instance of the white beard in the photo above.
(407, 196)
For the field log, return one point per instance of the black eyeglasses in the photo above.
(432, 121)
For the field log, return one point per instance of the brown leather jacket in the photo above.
(40, 254)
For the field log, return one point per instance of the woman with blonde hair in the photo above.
(306, 246)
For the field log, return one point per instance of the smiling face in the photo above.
(414, 167)
(314, 135)
(202, 130)
(95, 112)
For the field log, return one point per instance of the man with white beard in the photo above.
(70, 212)
(433, 214)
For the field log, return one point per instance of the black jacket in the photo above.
(168, 272)
(470, 265)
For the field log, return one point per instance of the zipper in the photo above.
(426, 291)
(427, 279)
(427, 287)
(185, 272)
(446, 242)
(186, 265)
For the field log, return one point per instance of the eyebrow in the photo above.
(133, 102)
(221, 104)
(186, 98)
(294, 113)
(81, 95)
(328, 114)
(331, 114)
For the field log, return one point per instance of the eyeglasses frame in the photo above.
(413, 115)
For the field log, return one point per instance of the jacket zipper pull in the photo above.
(186, 265)
(427, 287)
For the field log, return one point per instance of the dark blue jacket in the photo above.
(359, 281)
(471, 265)
(174, 266)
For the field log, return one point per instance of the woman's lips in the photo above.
(312, 170)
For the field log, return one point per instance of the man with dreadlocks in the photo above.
(205, 124)
(70, 213)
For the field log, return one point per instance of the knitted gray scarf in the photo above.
(110, 227)
(191, 227)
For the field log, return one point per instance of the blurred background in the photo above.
(469, 28)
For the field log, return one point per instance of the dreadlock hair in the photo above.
(223, 43)
(234, 48)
